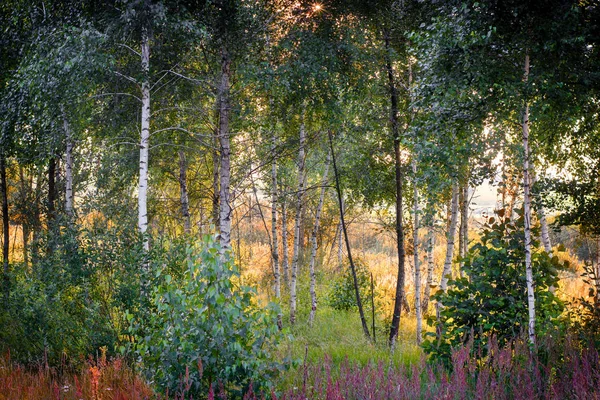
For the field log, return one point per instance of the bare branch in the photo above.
(131, 49)
(129, 78)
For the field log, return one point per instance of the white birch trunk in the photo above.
(285, 260)
(144, 141)
(430, 266)
(216, 161)
(275, 241)
(183, 193)
(299, 207)
(527, 214)
(416, 254)
(541, 213)
(313, 241)
(545, 232)
(447, 271)
(68, 166)
(224, 145)
(464, 225)
(449, 252)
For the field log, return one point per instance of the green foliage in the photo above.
(491, 299)
(70, 302)
(205, 329)
(342, 296)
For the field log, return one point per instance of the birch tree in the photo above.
(313, 242)
(298, 219)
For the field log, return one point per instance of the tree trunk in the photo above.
(430, 266)
(275, 241)
(51, 191)
(545, 233)
(5, 222)
(527, 213)
(224, 145)
(361, 312)
(463, 236)
(399, 298)
(447, 271)
(37, 221)
(597, 272)
(313, 241)
(216, 160)
(416, 254)
(284, 245)
(297, 222)
(25, 189)
(68, 167)
(183, 193)
(144, 141)
(341, 242)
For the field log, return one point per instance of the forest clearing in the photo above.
(290, 199)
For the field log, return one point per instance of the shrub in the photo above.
(342, 296)
(491, 299)
(205, 329)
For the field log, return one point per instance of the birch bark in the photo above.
(313, 241)
(216, 160)
(285, 263)
(450, 237)
(416, 254)
(225, 147)
(541, 213)
(527, 213)
(297, 222)
(447, 271)
(68, 166)
(464, 224)
(144, 141)
(183, 193)
(275, 241)
(430, 266)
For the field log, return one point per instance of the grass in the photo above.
(338, 337)
(98, 379)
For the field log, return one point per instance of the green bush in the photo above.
(70, 300)
(205, 329)
(491, 299)
(342, 296)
